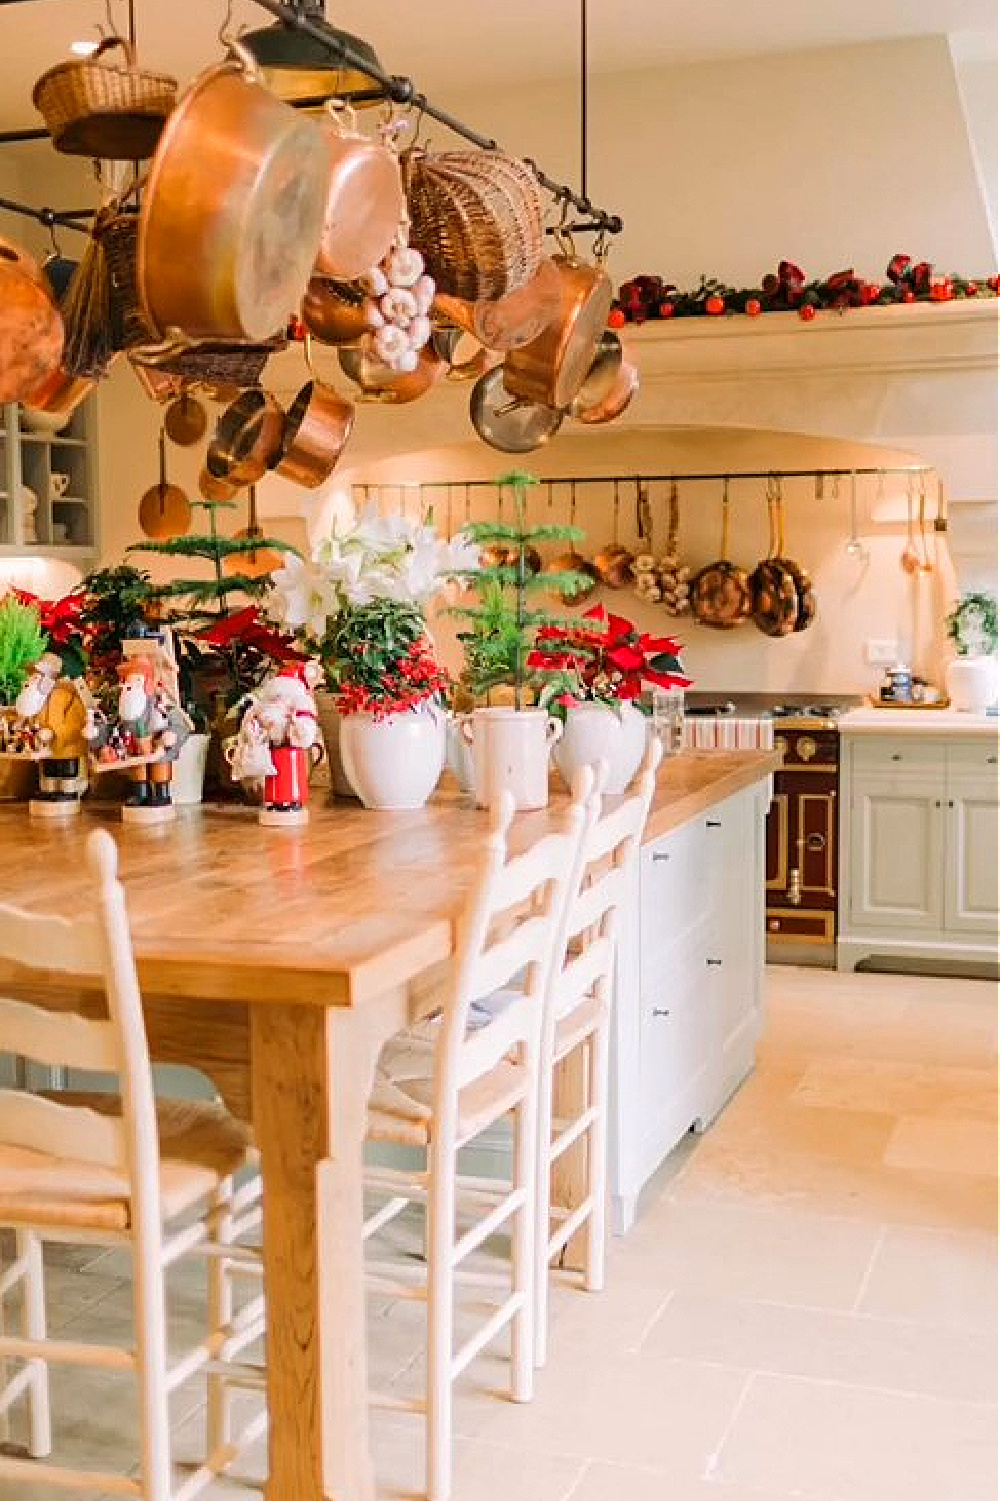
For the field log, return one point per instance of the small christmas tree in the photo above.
(200, 609)
(503, 625)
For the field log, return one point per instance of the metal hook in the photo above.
(819, 484)
(225, 33)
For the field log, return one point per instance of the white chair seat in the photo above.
(399, 1107)
(200, 1146)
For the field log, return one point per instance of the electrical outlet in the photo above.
(881, 652)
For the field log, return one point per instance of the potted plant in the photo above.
(22, 643)
(358, 607)
(510, 743)
(971, 676)
(594, 672)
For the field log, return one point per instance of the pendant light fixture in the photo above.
(298, 68)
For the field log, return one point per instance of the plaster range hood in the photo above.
(920, 378)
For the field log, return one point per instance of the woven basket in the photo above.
(216, 363)
(477, 219)
(94, 108)
(119, 235)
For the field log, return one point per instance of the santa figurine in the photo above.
(52, 712)
(145, 738)
(278, 739)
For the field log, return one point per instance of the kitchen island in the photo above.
(278, 962)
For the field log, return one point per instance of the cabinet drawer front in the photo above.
(975, 758)
(677, 881)
(916, 754)
(677, 1023)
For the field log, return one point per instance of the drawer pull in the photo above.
(991, 760)
(660, 856)
(714, 963)
(661, 1010)
(713, 823)
(937, 802)
(896, 756)
(951, 802)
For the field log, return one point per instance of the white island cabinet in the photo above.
(688, 995)
(920, 821)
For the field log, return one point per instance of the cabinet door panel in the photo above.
(896, 853)
(677, 888)
(677, 1027)
(971, 883)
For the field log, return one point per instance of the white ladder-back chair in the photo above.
(158, 1178)
(469, 1077)
(578, 1021)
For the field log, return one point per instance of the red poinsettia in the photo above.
(608, 662)
(247, 628)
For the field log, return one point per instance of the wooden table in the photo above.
(279, 961)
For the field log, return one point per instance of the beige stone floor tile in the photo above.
(944, 1145)
(604, 1482)
(743, 1250)
(623, 1409)
(936, 1276)
(615, 1320)
(832, 1442)
(899, 1088)
(892, 1354)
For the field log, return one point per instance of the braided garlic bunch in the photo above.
(397, 308)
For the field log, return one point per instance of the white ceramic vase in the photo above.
(187, 784)
(971, 683)
(510, 753)
(393, 763)
(595, 732)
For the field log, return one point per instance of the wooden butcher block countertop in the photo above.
(332, 913)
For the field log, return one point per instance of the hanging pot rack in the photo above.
(395, 87)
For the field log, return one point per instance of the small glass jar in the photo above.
(668, 718)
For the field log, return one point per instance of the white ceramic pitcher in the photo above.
(510, 752)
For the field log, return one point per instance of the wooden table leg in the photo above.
(311, 1072)
(569, 1172)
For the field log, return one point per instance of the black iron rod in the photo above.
(401, 90)
(583, 97)
(66, 218)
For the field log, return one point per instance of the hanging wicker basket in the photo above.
(99, 109)
(477, 219)
(119, 235)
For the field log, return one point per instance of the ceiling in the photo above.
(453, 45)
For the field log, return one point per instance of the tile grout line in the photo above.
(866, 1275)
(712, 1463)
(654, 1319)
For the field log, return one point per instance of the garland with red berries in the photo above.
(650, 297)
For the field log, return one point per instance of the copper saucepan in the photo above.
(626, 384)
(507, 423)
(511, 321)
(317, 426)
(247, 439)
(333, 311)
(552, 368)
(364, 199)
(602, 375)
(233, 210)
(449, 342)
(31, 330)
(61, 394)
(379, 382)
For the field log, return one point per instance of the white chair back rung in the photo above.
(39, 1124)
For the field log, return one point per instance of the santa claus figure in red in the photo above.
(278, 740)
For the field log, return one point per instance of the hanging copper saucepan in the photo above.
(333, 311)
(364, 198)
(804, 590)
(720, 592)
(217, 490)
(247, 439)
(233, 210)
(259, 560)
(31, 330)
(510, 321)
(61, 394)
(185, 421)
(552, 367)
(449, 342)
(317, 426)
(164, 510)
(773, 592)
(572, 561)
(614, 563)
(379, 382)
(507, 423)
(626, 384)
(602, 375)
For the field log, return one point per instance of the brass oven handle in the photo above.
(815, 841)
(795, 888)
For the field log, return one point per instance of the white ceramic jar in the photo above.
(598, 732)
(393, 763)
(510, 752)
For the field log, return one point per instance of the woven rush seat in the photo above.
(200, 1146)
(400, 1105)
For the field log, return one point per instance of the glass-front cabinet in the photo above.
(48, 484)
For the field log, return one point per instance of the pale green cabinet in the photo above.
(920, 820)
(48, 487)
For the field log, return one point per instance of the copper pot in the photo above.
(364, 199)
(507, 423)
(233, 210)
(380, 383)
(574, 562)
(626, 384)
(317, 426)
(552, 368)
(31, 330)
(602, 375)
(61, 394)
(333, 312)
(511, 321)
(247, 439)
(447, 342)
(185, 421)
(217, 490)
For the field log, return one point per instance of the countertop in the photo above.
(693, 781)
(948, 722)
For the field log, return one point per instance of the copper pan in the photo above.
(233, 210)
(512, 321)
(626, 384)
(61, 394)
(380, 383)
(507, 423)
(317, 426)
(333, 312)
(31, 330)
(552, 367)
(364, 199)
(247, 439)
(447, 343)
(218, 490)
(602, 375)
